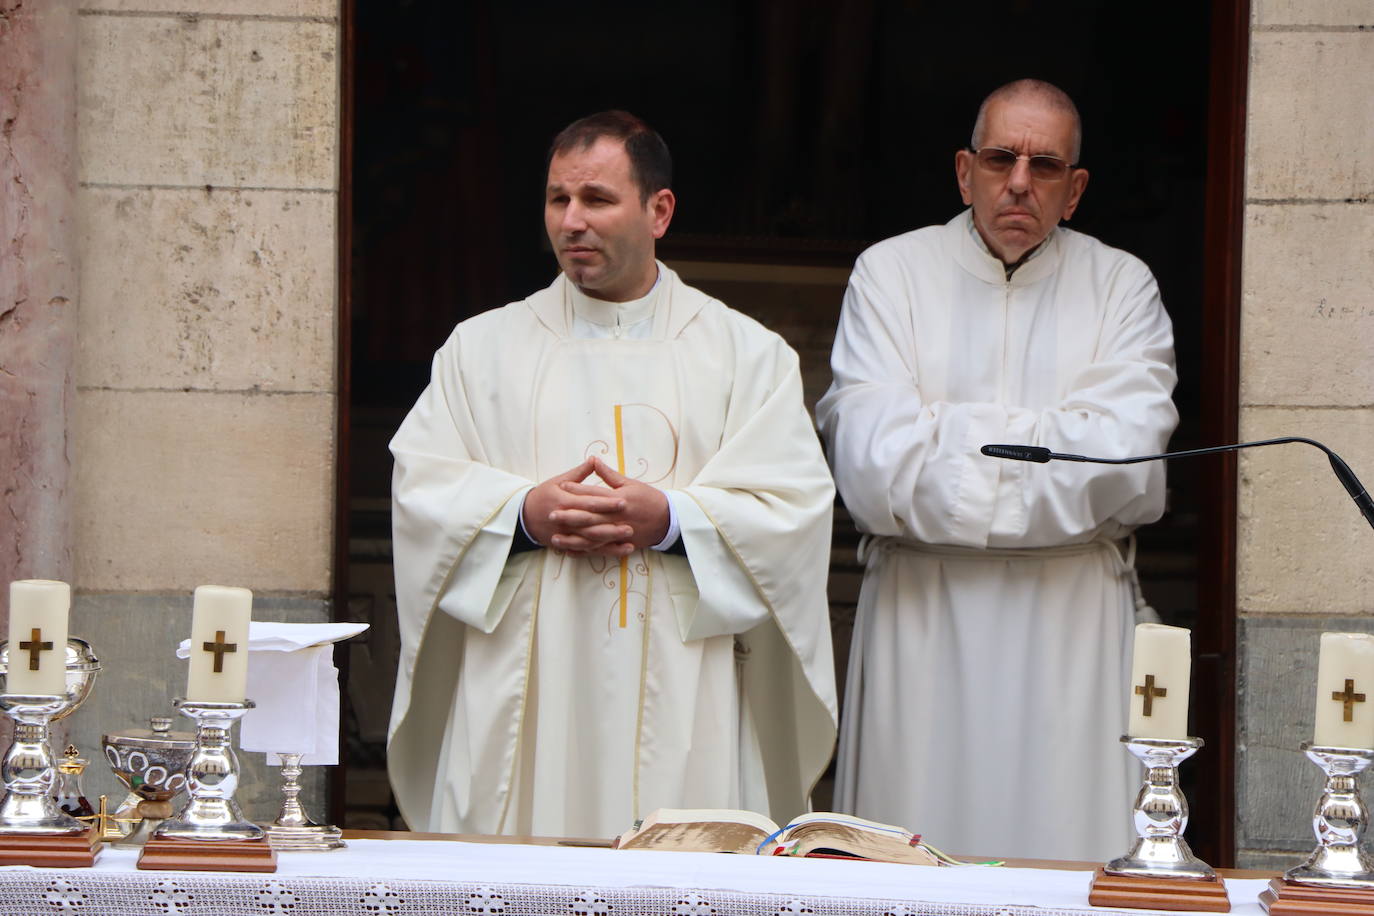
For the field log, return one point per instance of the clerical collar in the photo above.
(615, 314)
(1009, 268)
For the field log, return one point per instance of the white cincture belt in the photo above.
(870, 548)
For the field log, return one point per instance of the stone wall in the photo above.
(202, 439)
(1307, 368)
(203, 428)
(38, 289)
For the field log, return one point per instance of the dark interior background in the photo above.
(802, 131)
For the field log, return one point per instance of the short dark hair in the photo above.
(651, 165)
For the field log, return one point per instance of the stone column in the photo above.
(1307, 333)
(205, 354)
(38, 286)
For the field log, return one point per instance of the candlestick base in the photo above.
(1207, 895)
(77, 850)
(29, 807)
(294, 830)
(315, 838)
(1284, 899)
(1161, 814)
(172, 854)
(1339, 821)
(212, 776)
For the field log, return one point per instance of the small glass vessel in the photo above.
(69, 793)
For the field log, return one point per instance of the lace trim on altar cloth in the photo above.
(33, 892)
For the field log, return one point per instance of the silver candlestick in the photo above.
(28, 771)
(1161, 814)
(212, 777)
(1338, 822)
(29, 806)
(293, 829)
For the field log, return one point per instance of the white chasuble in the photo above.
(987, 683)
(553, 694)
(610, 617)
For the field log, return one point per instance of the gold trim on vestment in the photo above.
(620, 468)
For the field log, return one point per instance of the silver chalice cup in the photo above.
(28, 771)
(152, 763)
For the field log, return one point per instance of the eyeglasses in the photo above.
(1001, 161)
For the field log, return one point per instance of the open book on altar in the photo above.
(819, 834)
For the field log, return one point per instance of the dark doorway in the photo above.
(802, 132)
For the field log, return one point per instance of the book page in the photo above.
(842, 834)
(700, 830)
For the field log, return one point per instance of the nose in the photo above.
(574, 219)
(1020, 178)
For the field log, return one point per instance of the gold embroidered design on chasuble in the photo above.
(648, 424)
(644, 447)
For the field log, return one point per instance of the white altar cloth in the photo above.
(386, 877)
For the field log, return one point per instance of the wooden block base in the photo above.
(76, 850)
(1205, 894)
(1284, 899)
(166, 854)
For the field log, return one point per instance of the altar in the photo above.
(382, 877)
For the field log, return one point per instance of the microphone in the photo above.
(1020, 453)
(1347, 477)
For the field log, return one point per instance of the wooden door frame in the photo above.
(343, 400)
(1215, 639)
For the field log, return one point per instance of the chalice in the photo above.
(152, 763)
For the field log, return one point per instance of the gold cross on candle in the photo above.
(219, 647)
(1349, 697)
(34, 645)
(1149, 692)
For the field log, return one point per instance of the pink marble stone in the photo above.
(38, 286)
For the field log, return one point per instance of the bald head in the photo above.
(1038, 92)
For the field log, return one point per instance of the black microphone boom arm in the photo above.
(1347, 477)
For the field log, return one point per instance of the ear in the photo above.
(1078, 181)
(963, 165)
(661, 206)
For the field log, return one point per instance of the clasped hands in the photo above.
(580, 518)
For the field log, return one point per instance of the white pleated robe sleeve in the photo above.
(905, 440)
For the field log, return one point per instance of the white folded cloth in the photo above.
(293, 681)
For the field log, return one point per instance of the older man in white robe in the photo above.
(987, 683)
(612, 521)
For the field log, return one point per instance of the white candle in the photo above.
(38, 637)
(1160, 669)
(219, 644)
(1345, 691)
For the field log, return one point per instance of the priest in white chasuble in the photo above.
(987, 685)
(612, 522)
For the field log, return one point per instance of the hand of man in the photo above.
(584, 520)
(645, 509)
